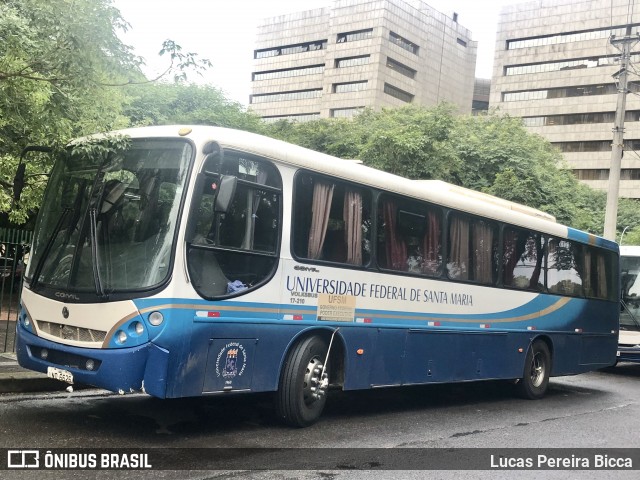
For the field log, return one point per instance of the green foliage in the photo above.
(492, 153)
(55, 58)
(631, 237)
(411, 141)
(62, 73)
(165, 104)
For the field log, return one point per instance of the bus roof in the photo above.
(437, 192)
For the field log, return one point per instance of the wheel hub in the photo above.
(315, 381)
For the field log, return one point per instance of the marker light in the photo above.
(156, 318)
(122, 337)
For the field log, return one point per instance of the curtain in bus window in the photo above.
(352, 215)
(510, 256)
(396, 247)
(320, 209)
(482, 252)
(458, 266)
(601, 284)
(586, 278)
(432, 245)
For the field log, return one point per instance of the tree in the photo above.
(178, 103)
(62, 69)
(492, 153)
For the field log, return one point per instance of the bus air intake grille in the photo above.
(69, 332)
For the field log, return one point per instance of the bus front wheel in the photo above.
(537, 368)
(303, 383)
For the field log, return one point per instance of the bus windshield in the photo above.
(630, 314)
(108, 225)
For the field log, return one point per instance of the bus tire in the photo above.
(537, 369)
(301, 395)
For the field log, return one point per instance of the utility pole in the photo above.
(611, 214)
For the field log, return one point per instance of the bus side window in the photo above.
(331, 221)
(523, 256)
(409, 236)
(564, 263)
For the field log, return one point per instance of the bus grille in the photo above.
(69, 332)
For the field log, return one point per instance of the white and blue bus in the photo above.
(204, 260)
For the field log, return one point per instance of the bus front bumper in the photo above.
(123, 370)
(628, 353)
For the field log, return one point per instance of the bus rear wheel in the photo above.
(303, 383)
(537, 369)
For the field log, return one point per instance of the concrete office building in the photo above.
(334, 61)
(556, 68)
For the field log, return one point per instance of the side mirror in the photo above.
(214, 158)
(226, 192)
(18, 182)
(19, 179)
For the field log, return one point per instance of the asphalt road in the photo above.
(597, 410)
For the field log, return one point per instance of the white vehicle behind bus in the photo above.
(629, 340)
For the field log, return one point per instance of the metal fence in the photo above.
(14, 255)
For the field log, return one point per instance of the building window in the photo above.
(595, 146)
(400, 68)
(345, 112)
(289, 49)
(288, 72)
(592, 174)
(579, 118)
(300, 117)
(564, 92)
(353, 36)
(352, 61)
(349, 87)
(284, 96)
(403, 43)
(590, 62)
(580, 36)
(630, 174)
(397, 93)
(462, 42)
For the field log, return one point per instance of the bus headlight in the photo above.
(136, 328)
(156, 318)
(121, 337)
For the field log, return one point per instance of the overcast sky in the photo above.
(223, 31)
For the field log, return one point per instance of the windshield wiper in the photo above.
(47, 249)
(94, 254)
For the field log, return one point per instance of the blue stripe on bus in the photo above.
(590, 239)
(543, 312)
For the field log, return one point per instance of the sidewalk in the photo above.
(15, 379)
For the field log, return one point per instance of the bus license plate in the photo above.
(60, 374)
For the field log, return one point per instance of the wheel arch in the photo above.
(337, 353)
(547, 340)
